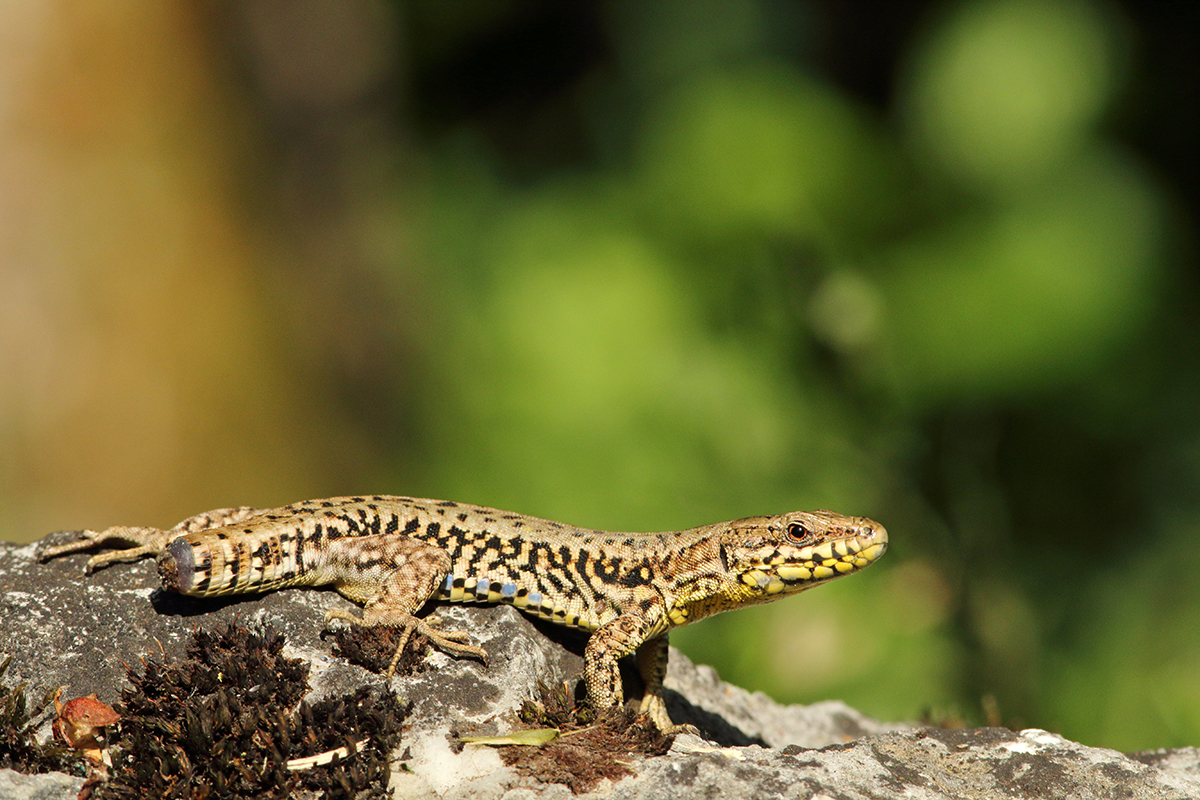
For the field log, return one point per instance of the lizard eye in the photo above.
(797, 532)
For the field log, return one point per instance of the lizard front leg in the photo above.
(652, 665)
(137, 542)
(393, 576)
(622, 636)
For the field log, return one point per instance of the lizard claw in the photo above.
(451, 642)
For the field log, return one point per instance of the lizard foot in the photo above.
(655, 707)
(452, 642)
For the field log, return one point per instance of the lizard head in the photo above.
(772, 556)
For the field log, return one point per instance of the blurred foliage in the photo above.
(765, 295)
(649, 265)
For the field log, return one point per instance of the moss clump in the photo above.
(592, 746)
(20, 749)
(372, 648)
(224, 722)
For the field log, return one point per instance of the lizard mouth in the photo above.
(807, 566)
(839, 557)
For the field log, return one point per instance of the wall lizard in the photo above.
(393, 554)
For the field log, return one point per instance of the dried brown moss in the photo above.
(591, 747)
(372, 648)
(223, 722)
(20, 749)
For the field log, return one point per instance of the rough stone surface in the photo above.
(51, 786)
(63, 629)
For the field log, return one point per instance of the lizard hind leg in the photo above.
(394, 576)
(134, 543)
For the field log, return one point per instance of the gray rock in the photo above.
(982, 764)
(64, 629)
(51, 786)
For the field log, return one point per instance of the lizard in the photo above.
(395, 554)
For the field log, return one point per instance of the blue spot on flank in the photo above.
(535, 599)
(449, 584)
(508, 591)
(481, 586)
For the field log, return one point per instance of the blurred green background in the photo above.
(643, 266)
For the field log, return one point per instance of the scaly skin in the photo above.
(394, 554)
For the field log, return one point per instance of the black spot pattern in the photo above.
(393, 554)
(578, 576)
